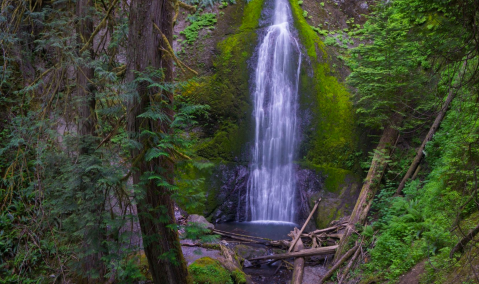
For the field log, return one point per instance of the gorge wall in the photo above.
(224, 55)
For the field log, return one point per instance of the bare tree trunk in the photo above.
(430, 134)
(155, 210)
(372, 182)
(85, 91)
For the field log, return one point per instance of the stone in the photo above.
(313, 274)
(247, 252)
(195, 218)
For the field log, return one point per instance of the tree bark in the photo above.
(372, 182)
(160, 239)
(298, 263)
(85, 92)
(85, 89)
(430, 134)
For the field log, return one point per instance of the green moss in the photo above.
(335, 177)
(331, 139)
(223, 144)
(239, 276)
(227, 90)
(252, 13)
(308, 36)
(209, 271)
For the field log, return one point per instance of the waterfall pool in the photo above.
(265, 229)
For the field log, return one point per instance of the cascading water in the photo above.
(271, 185)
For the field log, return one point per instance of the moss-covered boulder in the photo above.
(209, 271)
(338, 194)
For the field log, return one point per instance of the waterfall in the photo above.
(271, 185)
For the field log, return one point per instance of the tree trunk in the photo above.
(372, 182)
(155, 207)
(430, 134)
(459, 247)
(85, 92)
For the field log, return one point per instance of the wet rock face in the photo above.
(338, 190)
(308, 183)
(228, 188)
(227, 193)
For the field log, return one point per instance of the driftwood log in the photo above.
(298, 269)
(298, 236)
(301, 253)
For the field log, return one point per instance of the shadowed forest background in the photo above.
(119, 119)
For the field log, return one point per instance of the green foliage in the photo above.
(197, 23)
(199, 231)
(418, 226)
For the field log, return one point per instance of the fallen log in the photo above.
(238, 237)
(338, 264)
(304, 253)
(459, 247)
(373, 180)
(298, 269)
(298, 236)
(435, 126)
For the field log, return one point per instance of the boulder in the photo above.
(339, 191)
(194, 218)
(248, 252)
(206, 270)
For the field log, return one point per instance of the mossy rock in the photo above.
(206, 270)
(330, 138)
(338, 196)
(239, 276)
(227, 90)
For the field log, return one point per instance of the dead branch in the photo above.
(338, 264)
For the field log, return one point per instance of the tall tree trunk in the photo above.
(430, 134)
(372, 182)
(85, 89)
(92, 265)
(155, 210)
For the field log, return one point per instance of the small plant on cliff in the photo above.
(198, 23)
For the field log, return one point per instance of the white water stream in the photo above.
(271, 186)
